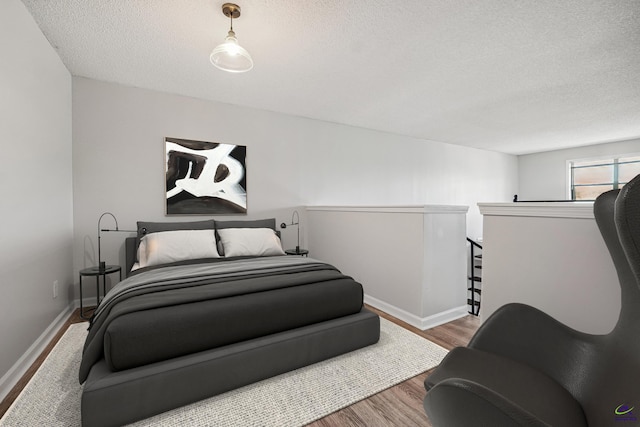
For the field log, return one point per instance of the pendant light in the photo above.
(230, 56)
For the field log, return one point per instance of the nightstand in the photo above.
(300, 252)
(96, 272)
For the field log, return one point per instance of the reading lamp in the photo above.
(297, 224)
(101, 264)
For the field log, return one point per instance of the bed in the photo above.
(207, 307)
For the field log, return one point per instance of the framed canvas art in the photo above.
(206, 178)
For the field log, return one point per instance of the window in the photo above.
(590, 178)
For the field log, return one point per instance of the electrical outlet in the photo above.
(55, 289)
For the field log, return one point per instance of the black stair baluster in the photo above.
(473, 278)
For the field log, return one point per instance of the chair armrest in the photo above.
(460, 403)
(527, 335)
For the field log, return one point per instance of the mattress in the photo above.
(178, 310)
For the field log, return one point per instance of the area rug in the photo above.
(52, 397)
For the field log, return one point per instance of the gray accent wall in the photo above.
(118, 161)
(36, 216)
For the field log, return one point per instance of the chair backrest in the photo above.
(610, 208)
(627, 219)
(613, 385)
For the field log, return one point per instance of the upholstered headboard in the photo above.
(130, 251)
(145, 227)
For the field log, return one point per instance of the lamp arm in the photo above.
(294, 215)
(297, 224)
(99, 229)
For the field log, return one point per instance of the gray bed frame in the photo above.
(116, 398)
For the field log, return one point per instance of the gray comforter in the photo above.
(174, 285)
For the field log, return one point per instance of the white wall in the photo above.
(352, 166)
(543, 176)
(118, 137)
(411, 261)
(550, 256)
(36, 226)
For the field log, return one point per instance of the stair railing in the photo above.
(475, 304)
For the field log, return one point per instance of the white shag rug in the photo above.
(52, 397)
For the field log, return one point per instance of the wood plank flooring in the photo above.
(400, 405)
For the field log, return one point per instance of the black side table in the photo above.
(301, 252)
(95, 271)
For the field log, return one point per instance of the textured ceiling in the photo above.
(514, 76)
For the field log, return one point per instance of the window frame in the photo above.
(610, 160)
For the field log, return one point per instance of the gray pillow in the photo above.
(253, 223)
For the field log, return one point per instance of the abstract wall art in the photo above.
(206, 178)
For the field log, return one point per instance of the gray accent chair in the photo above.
(524, 368)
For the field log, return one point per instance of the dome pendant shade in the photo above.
(230, 56)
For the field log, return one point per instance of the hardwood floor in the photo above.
(400, 405)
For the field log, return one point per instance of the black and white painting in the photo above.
(205, 177)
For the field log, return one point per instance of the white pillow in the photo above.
(141, 255)
(250, 242)
(178, 245)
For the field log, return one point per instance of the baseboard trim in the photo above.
(17, 371)
(444, 317)
(86, 302)
(421, 323)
